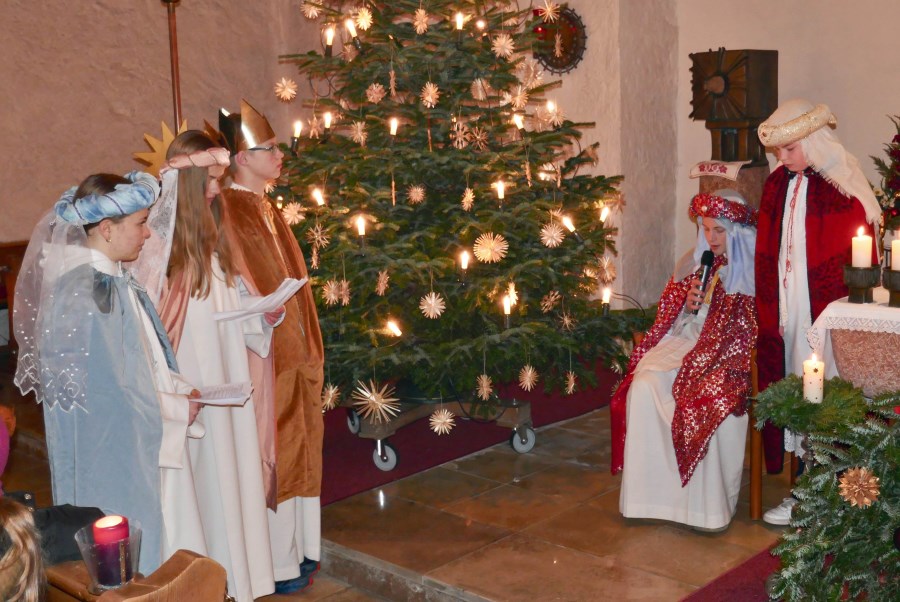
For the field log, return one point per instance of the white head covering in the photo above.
(823, 151)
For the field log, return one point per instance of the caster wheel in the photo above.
(520, 445)
(387, 460)
(353, 422)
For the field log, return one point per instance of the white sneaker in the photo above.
(781, 514)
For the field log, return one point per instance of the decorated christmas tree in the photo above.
(455, 236)
(844, 538)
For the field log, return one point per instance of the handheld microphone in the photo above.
(706, 263)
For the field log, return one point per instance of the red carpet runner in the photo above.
(745, 582)
(347, 459)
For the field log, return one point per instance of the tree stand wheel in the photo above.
(353, 422)
(384, 455)
(523, 439)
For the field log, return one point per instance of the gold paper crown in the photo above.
(772, 135)
(155, 158)
(245, 131)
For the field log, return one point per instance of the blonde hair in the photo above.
(24, 553)
(198, 226)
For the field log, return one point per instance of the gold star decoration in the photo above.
(530, 73)
(549, 301)
(375, 93)
(331, 292)
(358, 132)
(345, 292)
(528, 377)
(552, 235)
(415, 194)
(459, 134)
(550, 12)
(468, 199)
(381, 283)
(310, 10)
(607, 270)
(155, 158)
(441, 421)
(317, 237)
(420, 21)
(286, 89)
(490, 247)
(479, 138)
(484, 386)
(432, 305)
(331, 395)
(859, 487)
(315, 127)
(293, 213)
(376, 404)
(570, 382)
(480, 89)
(364, 18)
(512, 293)
(567, 321)
(503, 46)
(430, 95)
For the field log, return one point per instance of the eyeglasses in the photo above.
(269, 149)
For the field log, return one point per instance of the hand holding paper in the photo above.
(231, 394)
(269, 303)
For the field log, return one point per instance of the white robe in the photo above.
(226, 463)
(651, 483)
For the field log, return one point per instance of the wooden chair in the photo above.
(756, 449)
(184, 576)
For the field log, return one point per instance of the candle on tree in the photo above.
(813, 379)
(327, 118)
(394, 124)
(360, 225)
(329, 40)
(459, 21)
(501, 189)
(895, 255)
(862, 250)
(318, 196)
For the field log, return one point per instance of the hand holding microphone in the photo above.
(706, 263)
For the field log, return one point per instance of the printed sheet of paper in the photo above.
(285, 291)
(231, 394)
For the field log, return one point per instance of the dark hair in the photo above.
(99, 183)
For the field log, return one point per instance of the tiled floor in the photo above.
(504, 526)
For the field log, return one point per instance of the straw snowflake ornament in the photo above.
(331, 292)
(430, 95)
(468, 199)
(415, 194)
(528, 377)
(503, 46)
(381, 283)
(317, 237)
(441, 421)
(484, 387)
(293, 213)
(330, 397)
(432, 305)
(375, 93)
(490, 247)
(552, 235)
(859, 487)
(376, 403)
(549, 301)
(286, 89)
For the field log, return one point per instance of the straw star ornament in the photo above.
(468, 199)
(859, 487)
(364, 18)
(552, 235)
(375, 93)
(528, 377)
(549, 301)
(375, 403)
(503, 46)
(484, 387)
(432, 305)
(430, 95)
(441, 421)
(286, 89)
(415, 194)
(420, 21)
(490, 247)
(330, 397)
(381, 284)
(310, 10)
(293, 214)
(570, 382)
(331, 292)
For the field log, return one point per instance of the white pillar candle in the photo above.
(813, 380)
(862, 250)
(395, 123)
(895, 255)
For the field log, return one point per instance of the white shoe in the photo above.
(781, 514)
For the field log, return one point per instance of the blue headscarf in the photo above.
(141, 191)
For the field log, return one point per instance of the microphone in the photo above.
(706, 263)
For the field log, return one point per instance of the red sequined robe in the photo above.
(714, 379)
(831, 220)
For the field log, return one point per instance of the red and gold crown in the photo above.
(245, 131)
(717, 207)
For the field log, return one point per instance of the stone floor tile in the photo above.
(510, 507)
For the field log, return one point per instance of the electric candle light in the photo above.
(329, 39)
(295, 140)
(395, 123)
(551, 106)
(459, 21)
(361, 225)
(279, 202)
(351, 28)
(319, 198)
(480, 24)
(464, 260)
(501, 189)
(895, 255)
(813, 379)
(862, 250)
(567, 222)
(604, 213)
(604, 308)
(518, 121)
(393, 328)
(507, 308)
(327, 118)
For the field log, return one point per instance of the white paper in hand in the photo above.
(231, 394)
(266, 304)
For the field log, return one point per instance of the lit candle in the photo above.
(351, 28)
(519, 121)
(327, 117)
(393, 328)
(279, 202)
(318, 196)
(459, 21)
(507, 305)
(298, 128)
(895, 255)
(604, 213)
(395, 123)
(480, 24)
(551, 106)
(110, 529)
(567, 222)
(862, 250)
(361, 225)
(501, 189)
(112, 549)
(607, 293)
(813, 379)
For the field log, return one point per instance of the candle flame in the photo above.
(464, 260)
(109, 521)
(501, 189)
(279, 202)
(327, 117)
(351, 28)
(604, 214)
(607, 293)
(861, 231)
(814, 358)
(551, 106)
(480, 24)
(361, 225)
(507, 304)
(318, 196)
(298, 128)
(394, 124)
(329, 35)
(459, 21)
(567, 222)
(393, 328)
(518, 121)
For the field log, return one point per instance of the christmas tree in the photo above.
(454, 236)
(844, 539)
